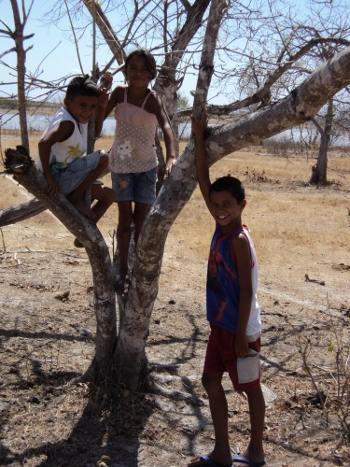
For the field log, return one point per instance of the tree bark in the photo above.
(21, 212)
(319, 171)
(25, 173)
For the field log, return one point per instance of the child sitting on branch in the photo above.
(62, 151)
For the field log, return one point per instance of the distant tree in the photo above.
(16, 33)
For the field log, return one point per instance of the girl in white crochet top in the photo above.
(133, 158)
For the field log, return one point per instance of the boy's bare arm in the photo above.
(241, 251)
(201, 158)
(63, 132)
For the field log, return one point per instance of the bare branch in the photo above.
(75, 38)
(106, 29)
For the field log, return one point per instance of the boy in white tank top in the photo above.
(62, 150)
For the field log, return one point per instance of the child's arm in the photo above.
(105, 103)
(201, 159)
(63, 132)
(169, 138)
(241, 251)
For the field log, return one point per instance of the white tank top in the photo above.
(75, 146)
(134, 148)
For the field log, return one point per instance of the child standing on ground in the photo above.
(62, 150)
(133, 157)
(232, 311)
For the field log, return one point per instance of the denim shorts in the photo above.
(137, 187)
(70, 177)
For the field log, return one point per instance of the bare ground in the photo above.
(47, 329)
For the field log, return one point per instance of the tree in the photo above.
(17, 34)
(296, 47)
(125, 353)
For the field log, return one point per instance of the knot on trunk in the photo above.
(17, 160)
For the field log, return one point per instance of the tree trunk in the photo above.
(319, 171)
(21, 212)
(21, 68)
(27, 175)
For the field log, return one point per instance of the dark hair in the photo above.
(149, 60)
(82, 86)
(230, 184)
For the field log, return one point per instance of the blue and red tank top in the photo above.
(223, 290)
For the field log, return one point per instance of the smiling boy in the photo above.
(232, 311)
(62, 151)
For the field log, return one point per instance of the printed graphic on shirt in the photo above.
(124, 150)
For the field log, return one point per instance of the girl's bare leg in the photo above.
(123, 235)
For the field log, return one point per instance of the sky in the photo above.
(54, 54)
(53, 49)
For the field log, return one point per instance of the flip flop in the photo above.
(239, 458)
(205, 461)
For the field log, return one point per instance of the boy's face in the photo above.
(82, 107)
(137, 73)
(226, 209)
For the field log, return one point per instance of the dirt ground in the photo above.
(47, 326)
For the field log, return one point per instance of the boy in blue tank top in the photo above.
(232, 311)
(62, 150)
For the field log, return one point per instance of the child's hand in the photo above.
(52, 186)
(104, 87)
(106, 81)
(169, 165)
(241, 346)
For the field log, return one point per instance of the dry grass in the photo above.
(297, 229)
(292, 223)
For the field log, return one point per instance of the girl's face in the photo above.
(137, 73)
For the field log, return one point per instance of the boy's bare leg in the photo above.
(140, 213)
(256, 402)
(123, 235)
(83, 208)
(218, 409)
(105, 197)
(77, 196)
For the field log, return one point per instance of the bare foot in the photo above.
(78, 244)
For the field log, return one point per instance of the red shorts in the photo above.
(220, 357)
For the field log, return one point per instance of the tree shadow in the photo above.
(109, 429)
(10, 333)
